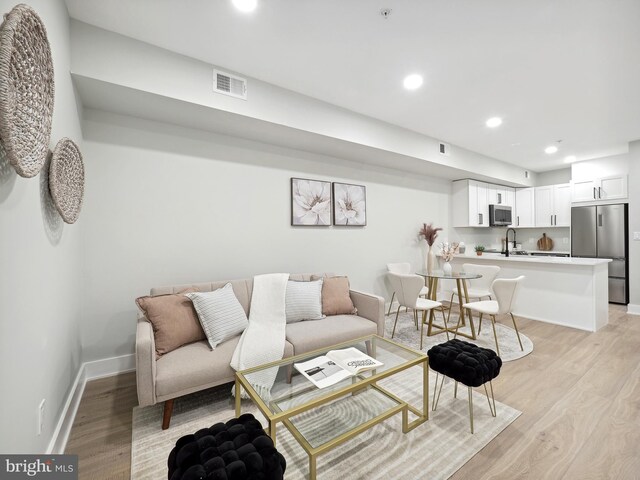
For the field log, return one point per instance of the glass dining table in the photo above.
(431, 280)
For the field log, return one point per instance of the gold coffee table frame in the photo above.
(359, 382)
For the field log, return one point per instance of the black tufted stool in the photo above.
(236, 450)
(468, 364)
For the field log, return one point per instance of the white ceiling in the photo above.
(553, 69)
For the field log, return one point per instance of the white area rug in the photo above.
(434, 450)
(407, 334)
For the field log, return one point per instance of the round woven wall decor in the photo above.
(26, 90)
(66, 179)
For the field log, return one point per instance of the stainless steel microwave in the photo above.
(499, 215)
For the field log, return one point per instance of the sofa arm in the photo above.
(370, 307)
(145, 362)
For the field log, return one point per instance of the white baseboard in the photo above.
(106, 367)
(63, 426)
(633, 309)
(552, 322)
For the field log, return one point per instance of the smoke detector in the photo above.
(385, 12)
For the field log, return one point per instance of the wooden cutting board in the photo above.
(545, 243)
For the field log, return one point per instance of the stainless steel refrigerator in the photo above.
(602, 232)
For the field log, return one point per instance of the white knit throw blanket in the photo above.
(263, 340)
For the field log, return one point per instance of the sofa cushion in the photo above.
(313, 334)
(303, 301)
(173, 319)
(220, 313)
(241, 288)
(335, 296)
(195, 366)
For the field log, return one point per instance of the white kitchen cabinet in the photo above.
(553, 205)
(525, 207)
(500, 195)
(562, 205)
(613, 188)
(544, 206)
(583, 191)
(511, 197)
(470, 204)
(600, 189)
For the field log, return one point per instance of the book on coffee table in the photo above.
(335, 366)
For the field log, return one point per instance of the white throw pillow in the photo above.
(220, 313)
(303, 301)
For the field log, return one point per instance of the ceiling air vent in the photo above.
(228, 84)
(444, 149)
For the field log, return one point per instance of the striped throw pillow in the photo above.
(220, 313)
(303, 301)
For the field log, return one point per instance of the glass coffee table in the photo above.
(322, 419)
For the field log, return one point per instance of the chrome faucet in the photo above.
(506, 241)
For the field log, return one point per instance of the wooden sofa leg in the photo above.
(289, 373)
(166, 416)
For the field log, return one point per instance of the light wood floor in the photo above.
(579, 393)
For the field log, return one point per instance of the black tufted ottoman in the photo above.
(468, 364)
(236, 450)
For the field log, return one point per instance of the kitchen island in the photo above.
(565, 291)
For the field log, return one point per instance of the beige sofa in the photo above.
(194, 367)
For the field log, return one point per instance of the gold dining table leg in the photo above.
(433, 293)
(463, 296)
(461, 300)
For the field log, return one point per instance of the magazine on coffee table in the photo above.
(335, 366)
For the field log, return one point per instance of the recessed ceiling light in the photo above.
(570, 159)
(411, 82)
(551, 149)
(245, 5)
(494, 122)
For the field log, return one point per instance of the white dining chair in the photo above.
(408, 288)
(403, 268)
(505, 290)
(478, 288)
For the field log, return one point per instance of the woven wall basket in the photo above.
(26, 90)
(66, 179)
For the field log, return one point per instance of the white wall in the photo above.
(39, 274)
(634, 226)
(600, 167)
(168, 205)
(553, 177)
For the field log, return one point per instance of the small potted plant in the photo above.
(479, 249)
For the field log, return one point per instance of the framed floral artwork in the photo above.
(349, 204)
(310, 202)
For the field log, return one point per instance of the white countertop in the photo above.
(550, 252)
(492, 257)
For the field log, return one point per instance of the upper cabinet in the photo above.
(525, 207)
(548, 206)
(501, 195)
(470, 204)
(553, 206)
(600, 189)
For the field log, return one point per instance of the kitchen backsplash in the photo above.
(527, 237)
